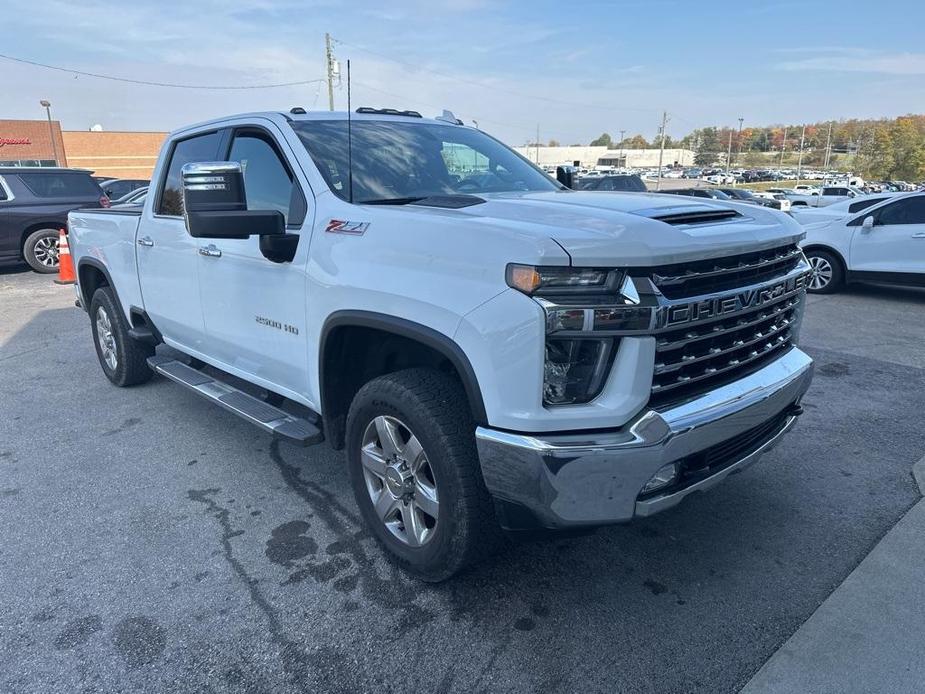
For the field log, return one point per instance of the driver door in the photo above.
(896, 243)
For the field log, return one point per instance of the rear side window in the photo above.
(60, 185)
(863, 204)
(195, 149)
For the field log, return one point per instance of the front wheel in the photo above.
(124, 359)
(415, 473)
(827, 274)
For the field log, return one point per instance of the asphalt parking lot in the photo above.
(152, 542)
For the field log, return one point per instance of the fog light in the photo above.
(666, 475)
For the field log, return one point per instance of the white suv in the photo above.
(882, 242)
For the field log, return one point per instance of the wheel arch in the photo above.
(91, 275)
(382, 344)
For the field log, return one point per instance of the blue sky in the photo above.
(575, 69)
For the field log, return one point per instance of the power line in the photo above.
(155, 84)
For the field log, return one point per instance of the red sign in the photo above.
(15, 141)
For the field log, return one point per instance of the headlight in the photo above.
(584, 309)
(566, 283)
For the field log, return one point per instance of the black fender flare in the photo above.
(429, 337)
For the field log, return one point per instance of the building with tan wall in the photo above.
(109, 154)
(114, 154)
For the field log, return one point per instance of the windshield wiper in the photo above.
(390, 201)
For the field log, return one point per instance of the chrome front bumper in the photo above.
(572, 480)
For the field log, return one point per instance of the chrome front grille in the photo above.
(717, 338)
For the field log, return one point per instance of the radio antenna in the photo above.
(349, 140)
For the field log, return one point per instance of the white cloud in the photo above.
(859, 60)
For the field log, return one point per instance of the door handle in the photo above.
(210, 251)
(145, 241)
(919, 235)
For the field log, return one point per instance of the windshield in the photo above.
(400, 161)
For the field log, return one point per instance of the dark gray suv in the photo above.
(34, 203)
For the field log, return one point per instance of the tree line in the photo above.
(886, 148)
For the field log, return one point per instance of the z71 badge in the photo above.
(339, 226)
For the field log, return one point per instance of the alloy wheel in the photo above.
(105, 338)
(821, 272)
(400, 480)
(46, 251)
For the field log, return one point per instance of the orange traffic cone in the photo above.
(65, 264)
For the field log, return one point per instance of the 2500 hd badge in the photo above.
(285, 327)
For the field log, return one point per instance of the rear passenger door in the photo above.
(254, 309)
(168, 257)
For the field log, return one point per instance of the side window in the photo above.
(267, 182)
(2, 190)
(908, 211)
(199, 148)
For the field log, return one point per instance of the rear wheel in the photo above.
(124, 360)
(827, 274)
(415, 473)
(41, 250)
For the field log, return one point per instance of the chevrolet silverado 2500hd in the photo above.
(493, 349)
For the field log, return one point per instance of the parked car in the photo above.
(711, 193)
(493, 351)
(135, 197)
(883, 242)
(630, 183)
(118, 187)
(747, 196)
(34, 203)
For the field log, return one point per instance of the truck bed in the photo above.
(105, 239)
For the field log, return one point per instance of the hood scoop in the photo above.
(449, 202)
(682, 215)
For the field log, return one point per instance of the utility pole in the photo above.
(783, 146)
(800, 163)
(739, 141)
(537, 144)
(661, 152)
(622, 161)
(828, 151)
(329, 60)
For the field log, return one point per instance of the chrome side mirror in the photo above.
(215, 205)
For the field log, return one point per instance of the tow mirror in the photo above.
(868, 222)
(215, 204)
(566, 175)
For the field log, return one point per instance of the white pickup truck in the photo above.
(493, 349)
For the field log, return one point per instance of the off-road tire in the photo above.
(434, 406)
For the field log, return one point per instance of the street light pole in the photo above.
(739, 141)
(51, 130)
(622, 162)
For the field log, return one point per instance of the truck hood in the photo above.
(630, 229)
